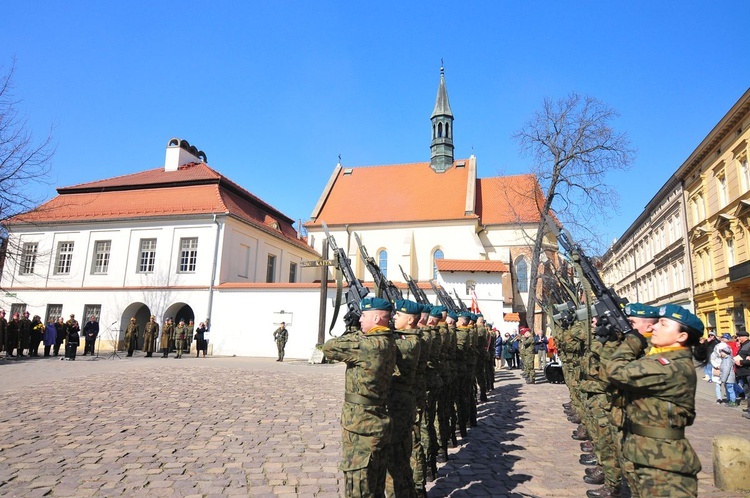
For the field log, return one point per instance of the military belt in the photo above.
(358, 399)
(656, 432)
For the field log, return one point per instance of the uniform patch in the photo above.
(663, 361)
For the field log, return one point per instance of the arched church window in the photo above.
(440, 130)
(438, 254)
(522, 274)
(433, 132)
(447, 130)
(383, 262)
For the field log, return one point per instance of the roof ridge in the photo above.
(396, 164)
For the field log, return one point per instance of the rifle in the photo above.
(608, 302)
(418, 293)
(460, 303)
(356, 291)
(384, 285)
(444, 297)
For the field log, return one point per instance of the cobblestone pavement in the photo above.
(255, 427)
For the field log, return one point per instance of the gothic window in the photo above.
(383, 262)
(434, 135)
(522, 275)
(447, 130)
(438, 254)
(440, 130)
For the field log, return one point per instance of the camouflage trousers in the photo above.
(400, 480)
(472, 395)
(528, 368)
(427, 431)
(647, 481)
(603, 436)
(369, 480)
(464, 395)
(480, 378)
(445, 407)
(489, 372)
(418, 453)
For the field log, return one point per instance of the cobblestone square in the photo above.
(255, 427)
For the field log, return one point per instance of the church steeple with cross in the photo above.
(441, 148)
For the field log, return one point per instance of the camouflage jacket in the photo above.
(660, 391)
(420, 380)
(463, 347)
(370, 362)
(281, 335)
(433, 359)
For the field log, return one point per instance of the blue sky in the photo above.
(274, 91)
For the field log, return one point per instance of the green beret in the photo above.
(408, 307)
(472, 317)
(479, 315)
(639, 310)
(464, 314)
(425, 308)
(683, 316)
(437, 311)
(376, 303)
(453, 315)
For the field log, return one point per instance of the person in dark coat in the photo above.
(201, 344)
(72, 334)
(12, 335)
(24, 333)
(60, 337)
(90, 332)
(3, 330)
(37, 331)
(50, 336)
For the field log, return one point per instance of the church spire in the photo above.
(441, 148)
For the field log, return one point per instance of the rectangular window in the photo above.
(28, 258)
(100, 263)
(730, 252)
(17, 308)
(64, 258)
(723, 194)
(54, 311)
(711, 322)
(292, 272)
(188, 255)
(243, 265)
(271, 268)
(745, 174)
(90, 310)
(147, 257)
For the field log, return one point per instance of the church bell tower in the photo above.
(441, 148)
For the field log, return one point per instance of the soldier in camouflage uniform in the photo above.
(465, 369)
(434, 386)
(660, 387)
(473, 360)
(402, 401)
(418, 455)
(445, 431)
(527, 355)
(370, 357)
(150, 333)
(481, 370)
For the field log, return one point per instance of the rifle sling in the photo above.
(337, 302)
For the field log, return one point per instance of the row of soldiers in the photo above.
(409, 387)
(173, 338)
(632, 396)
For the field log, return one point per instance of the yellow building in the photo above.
(716, 179)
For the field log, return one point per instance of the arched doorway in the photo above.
(142, 315)
(179, 311)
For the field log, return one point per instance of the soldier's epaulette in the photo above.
(663, 361)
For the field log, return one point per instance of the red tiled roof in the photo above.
(504, 200)
(511, 317)
(470, 265)
(396, 192)
(193, 189)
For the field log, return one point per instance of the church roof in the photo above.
(194, 189)
(470, 266)
(415, 193)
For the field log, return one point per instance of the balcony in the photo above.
(739, 272)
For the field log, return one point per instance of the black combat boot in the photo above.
(603, 492)
(596, 477)
(588, 459)
(587, 447)
(591, 470)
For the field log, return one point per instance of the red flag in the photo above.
(474, 303)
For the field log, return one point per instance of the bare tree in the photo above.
(24, 161)
(573, 146)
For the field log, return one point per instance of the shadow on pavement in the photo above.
(482, 464)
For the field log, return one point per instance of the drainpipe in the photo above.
(213, 274)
